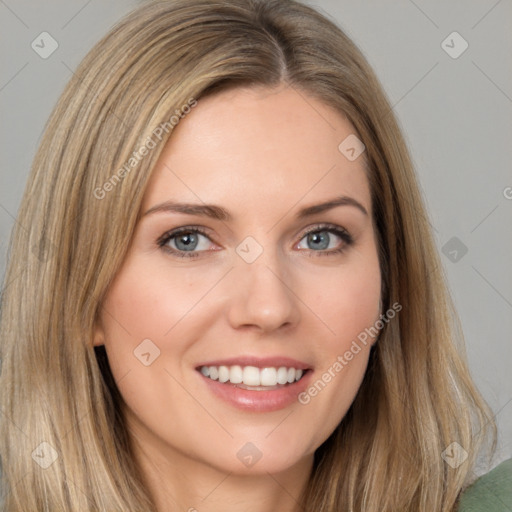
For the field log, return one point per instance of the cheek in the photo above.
(147, 301)
(348, 302)
(137, 312)
(158, 310)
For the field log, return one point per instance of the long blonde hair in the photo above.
(78, 215)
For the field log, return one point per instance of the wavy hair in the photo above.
(70, 238)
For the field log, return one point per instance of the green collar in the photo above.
(491, 492)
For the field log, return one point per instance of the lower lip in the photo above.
(258, 401)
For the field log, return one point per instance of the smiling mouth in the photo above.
(254, 378)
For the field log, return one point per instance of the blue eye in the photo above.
(191, 242)
(322, 240)
(184, 241)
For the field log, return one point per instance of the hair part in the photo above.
(417, 396)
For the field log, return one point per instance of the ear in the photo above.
(376, 323)
(98, 338)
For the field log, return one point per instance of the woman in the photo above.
(232, 298)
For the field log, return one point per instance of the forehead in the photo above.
(261, 150)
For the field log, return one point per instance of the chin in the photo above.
(261, 457)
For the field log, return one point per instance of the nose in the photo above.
(261, 298)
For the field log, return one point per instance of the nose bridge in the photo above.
(262, 294)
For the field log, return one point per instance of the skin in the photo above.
(262, 154)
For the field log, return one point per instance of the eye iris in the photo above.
(186, 241)
(321, 237)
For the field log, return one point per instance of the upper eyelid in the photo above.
(326, 226)
(171, 233)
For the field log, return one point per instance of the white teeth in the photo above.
(235, 374)
(268, 376)
(282, 375)
(223, 373)
(253, 376)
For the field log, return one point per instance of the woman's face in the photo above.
(254, 264)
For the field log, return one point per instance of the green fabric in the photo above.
(492, 492)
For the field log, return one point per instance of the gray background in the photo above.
(455, 113)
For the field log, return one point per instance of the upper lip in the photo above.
(258, 362)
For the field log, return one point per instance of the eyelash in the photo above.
(330, 228)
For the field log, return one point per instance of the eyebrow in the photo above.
(219, 213)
